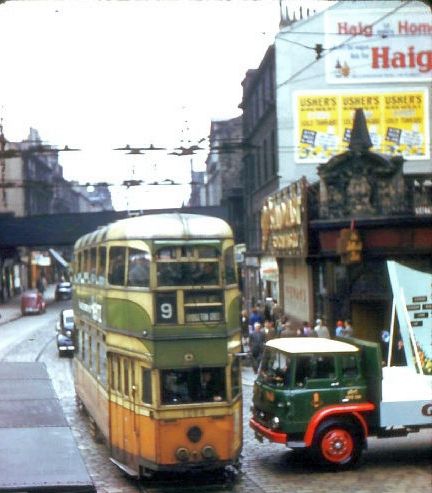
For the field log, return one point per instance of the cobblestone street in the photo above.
(390, 465)
(398, 465)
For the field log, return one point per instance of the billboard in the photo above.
(412, 292)
(397, 121)
(379, 45)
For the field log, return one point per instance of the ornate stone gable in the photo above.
(361, 183)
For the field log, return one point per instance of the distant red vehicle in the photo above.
(32, 301)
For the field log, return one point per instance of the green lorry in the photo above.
(329, 396)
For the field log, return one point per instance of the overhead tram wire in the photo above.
(325, 51)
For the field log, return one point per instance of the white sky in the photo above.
(102, 74)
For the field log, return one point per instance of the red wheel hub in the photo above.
(337, 445)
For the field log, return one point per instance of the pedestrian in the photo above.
(255, 316)
(256, 346)
(269, 330)
(340, 329)
(277, 312)
(307, 330)
(287, 329)
(321, 329)
(348, 329)
(40, 285)
(399, 358)
(244, 324)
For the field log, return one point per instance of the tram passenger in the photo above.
(117, 271)
(210, 390)
(138, 272)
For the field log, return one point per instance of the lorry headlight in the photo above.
(274, 423)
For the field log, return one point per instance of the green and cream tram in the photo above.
(156, 305)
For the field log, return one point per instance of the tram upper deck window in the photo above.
(193, 385)
(230, 272)
(101, 265)
(85, 266)
(187, 273)
(138, 268)
(92, 269)
(207, 252)
(166, 254)
(116, 268)
(78, 267)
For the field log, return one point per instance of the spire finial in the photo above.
(360, 138)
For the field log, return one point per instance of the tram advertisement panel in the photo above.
(397, 122)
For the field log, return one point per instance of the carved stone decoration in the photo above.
(360, 183)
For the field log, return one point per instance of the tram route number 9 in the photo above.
(166, 308)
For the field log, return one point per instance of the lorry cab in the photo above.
(302, 384)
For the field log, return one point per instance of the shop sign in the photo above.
(284, 222)
(252, 261)
(269, 270)
(397, 122)
(239, 252)
(297, 289)
(379, 45)
(41, 259)
(349, 246)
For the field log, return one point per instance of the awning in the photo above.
(58, 257)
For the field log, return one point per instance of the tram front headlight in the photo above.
(208, 452)
(274, 423)
(182, 454)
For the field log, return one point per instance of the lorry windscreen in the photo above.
(275, 368)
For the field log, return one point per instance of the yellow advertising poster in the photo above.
(397, 123)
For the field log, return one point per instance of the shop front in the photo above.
(366, 215)
(284, 230)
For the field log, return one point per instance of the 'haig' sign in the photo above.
(379, 45)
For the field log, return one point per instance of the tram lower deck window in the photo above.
(193, 385)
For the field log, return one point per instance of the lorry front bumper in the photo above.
(272, 435)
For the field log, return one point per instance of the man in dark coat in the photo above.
(256, 346)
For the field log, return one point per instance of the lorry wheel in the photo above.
(338, 445)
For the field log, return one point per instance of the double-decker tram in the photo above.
(156, 306)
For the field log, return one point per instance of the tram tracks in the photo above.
(225, 481)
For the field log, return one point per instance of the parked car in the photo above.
(32, 301)
(63, 291)
(66, 332)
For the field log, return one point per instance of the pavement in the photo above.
(11, 309)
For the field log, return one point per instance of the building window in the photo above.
(265, 161)
(273, 155)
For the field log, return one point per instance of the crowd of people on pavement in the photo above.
(262, 325)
